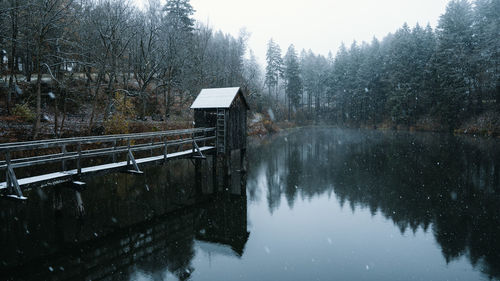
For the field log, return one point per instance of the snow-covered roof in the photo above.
(216, 98)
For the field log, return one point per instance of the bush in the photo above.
(119, 122)
(24, 112)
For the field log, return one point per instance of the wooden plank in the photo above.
(60, 177)
(16, 197)
(134, 172)
(78, 185)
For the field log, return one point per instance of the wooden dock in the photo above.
(220, 125)
(163, 146)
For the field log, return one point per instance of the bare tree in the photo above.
(147, 52)
(110, 35)
(46, 21)
(11, 10)
(87, 50)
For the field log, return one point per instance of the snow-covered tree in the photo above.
(486, 59)
(453, 61)
(293, 80)
(253, 81)
(176, 34)
(274, 67)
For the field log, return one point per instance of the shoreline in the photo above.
(485, 133)
(21, 131)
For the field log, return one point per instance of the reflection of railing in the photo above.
(89, 147)
(161, 243)
(107, 257)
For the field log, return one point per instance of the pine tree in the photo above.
(177, 34)
(400, 75)
(315, 78)
(338, 85)
(179, 14)
(453, 62)
(486, 57)
(429, 86)
(253, 81)
(274, 67)
(369, 83)
(292, 78)
(352, 92)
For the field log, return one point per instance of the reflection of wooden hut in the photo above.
(225, 109)
(225, 224)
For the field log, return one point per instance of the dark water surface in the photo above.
(315, 204)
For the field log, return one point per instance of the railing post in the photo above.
(78, 161)
(152, 142)
(128, 153)
(204, 136)
(7, 174)
(114, 153)
(64, 155)
(192, 137)
(165, 149)
(11, 179)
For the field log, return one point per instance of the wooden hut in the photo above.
(226, 109)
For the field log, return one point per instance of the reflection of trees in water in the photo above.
(274, 176)
(416, 180)
(293, 171)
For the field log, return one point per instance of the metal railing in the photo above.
(88, 147)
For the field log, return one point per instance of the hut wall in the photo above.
(236, 126)
(205, 118)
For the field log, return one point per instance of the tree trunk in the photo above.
(168, 94)
(144, 104)
(289, 107)
(94, 105)
(64, 115)
(59, 77)
(317, 105)
(167, 102)
(9, 93)
(277, 89)
(308, 104)
(28, 64)
(165, 97)
(109, 96)
(13, 55)
(36, 129)
(56, 113)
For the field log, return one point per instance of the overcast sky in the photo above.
(319, 25)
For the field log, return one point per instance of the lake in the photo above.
(314, 204)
